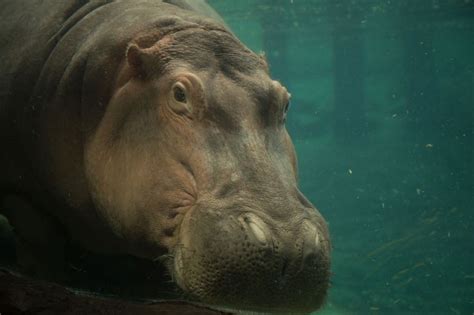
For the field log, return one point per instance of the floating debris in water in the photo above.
(455, 310)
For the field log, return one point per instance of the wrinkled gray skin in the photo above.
(146, 128)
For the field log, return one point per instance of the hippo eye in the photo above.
(287, 107)
(179, 94)
(178, 99)
(285, 110)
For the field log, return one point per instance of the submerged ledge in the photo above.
(19, 295)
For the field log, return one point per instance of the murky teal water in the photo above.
(382, 119)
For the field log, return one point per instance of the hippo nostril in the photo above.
(256, 228)
(312, 241)
(316, 240)
(257, 232)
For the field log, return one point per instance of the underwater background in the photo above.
(382, 120)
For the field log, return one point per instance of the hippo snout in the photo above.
(251, 261)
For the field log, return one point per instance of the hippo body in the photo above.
(145, 128)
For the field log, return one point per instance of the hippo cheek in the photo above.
(242, 262)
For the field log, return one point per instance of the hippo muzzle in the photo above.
(243, 257)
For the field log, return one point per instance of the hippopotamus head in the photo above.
(192, 162)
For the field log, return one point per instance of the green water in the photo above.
(382, 119)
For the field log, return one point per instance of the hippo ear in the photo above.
(137, 59)
(134, 56)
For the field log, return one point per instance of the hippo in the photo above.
(146, 128)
